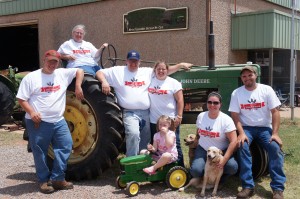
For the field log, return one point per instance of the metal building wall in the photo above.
(104, 22)
(23, 6)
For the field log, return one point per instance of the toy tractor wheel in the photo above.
(7, 103)
(120, 184)
(177, 177)
(132, 188)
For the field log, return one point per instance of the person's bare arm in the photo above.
(98, 53)
(241, 134)
(172, 69)
(105, 85)
(170, 140)
(232, 137)
(275, 126)
(35, 116)
(180, 105)
(67, 57)
(79, 79)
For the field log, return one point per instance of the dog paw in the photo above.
(181, 189)
(214, 194)
(202, 194)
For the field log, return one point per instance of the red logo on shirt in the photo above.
(206, 133)
(49, 89)
(157, 91)
(253, 105)
(81, 51)
(134, 83)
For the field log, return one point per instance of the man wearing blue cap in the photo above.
(131, 84)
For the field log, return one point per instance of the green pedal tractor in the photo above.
(132, 173)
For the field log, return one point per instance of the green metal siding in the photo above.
(284, 3)
(268, 29)
(23, 6)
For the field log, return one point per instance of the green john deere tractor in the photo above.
(9, 83)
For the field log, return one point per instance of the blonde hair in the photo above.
(165, 118)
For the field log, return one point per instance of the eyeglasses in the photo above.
(161, 69)
(78, 33)
(213, 102)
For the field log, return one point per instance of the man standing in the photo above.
(131, 84)
(42, 94)
(254, 110)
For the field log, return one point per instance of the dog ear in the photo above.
(220, 152)
(197, 136)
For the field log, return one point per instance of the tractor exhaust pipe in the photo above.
(211, 48)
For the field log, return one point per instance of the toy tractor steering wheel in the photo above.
(108, 57)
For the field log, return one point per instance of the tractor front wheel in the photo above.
(132, 188)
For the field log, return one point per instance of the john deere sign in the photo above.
(155, 19)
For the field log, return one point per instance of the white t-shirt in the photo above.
(84, 53)
(254, 106)
(212, 132)
(46, 93)
(162, 100)
(131, 87)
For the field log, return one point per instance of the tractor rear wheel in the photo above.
(7, 103)
(177, 177)
(97, 130)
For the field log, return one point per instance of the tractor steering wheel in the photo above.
(108, 57)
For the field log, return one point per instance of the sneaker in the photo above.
(62, 185)
(277, 194)
(245, 193)
(149, 170)
(45, 188)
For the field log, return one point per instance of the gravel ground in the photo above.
(18, 179)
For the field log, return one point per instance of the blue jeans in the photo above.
(178, 145)
(57, 134)
(137, 130)
(198, 165)
(90, 69)
(262, 136)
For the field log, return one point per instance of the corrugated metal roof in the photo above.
(264, 29)
(23, 6)
(285, 3)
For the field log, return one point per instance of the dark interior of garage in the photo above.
(19, 47)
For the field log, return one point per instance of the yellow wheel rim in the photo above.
(133, 189)
(82, 123)
(178, 178)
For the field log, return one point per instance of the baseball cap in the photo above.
(250, 68)
(52, 55)
(133, 55)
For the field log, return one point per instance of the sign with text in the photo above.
(155, 19)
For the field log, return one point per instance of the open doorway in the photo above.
(19, 47)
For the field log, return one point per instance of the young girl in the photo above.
(164, 145)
